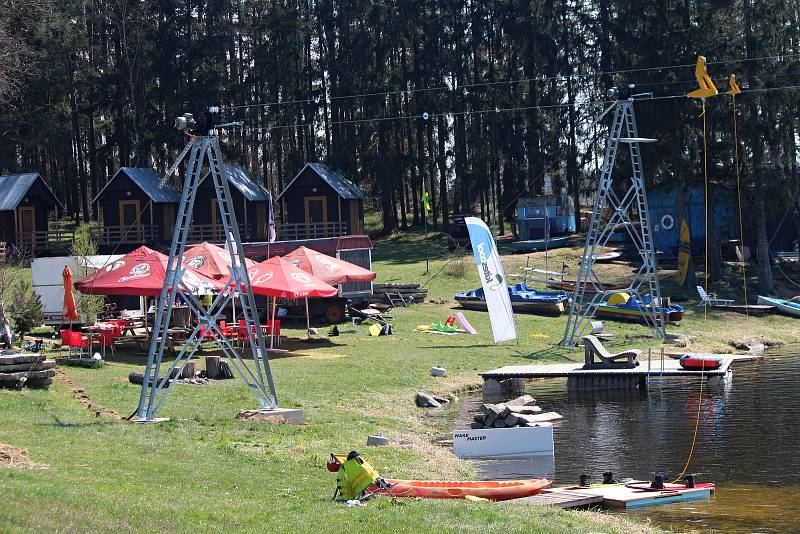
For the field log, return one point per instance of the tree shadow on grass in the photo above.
(548, 353)
(60, 423)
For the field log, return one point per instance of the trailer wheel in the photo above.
(334, 313)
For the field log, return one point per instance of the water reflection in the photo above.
(746, 442)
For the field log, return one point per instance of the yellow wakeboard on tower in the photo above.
(684, 252)
(707, 88)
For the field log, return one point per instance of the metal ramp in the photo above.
(204, 150)
(629, 212)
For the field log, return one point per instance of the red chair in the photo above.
(226, 330)
(80, 342)
(241, 332)
(205, 333)
(106, 337)
(66, 340)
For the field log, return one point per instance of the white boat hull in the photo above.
(780, 305)
(516, 442)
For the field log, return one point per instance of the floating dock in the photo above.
(597, 378)
(613, 496)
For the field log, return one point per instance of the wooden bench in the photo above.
(592, 347)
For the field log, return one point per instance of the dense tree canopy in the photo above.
(512, 89)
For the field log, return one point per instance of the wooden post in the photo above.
(188, 371)
(212, 366)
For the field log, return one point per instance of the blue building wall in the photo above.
(663, 205)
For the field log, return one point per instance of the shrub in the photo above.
(26, 308)
(456, 267)
(83, 246)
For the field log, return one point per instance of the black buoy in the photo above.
(585, 480)
(689, 481)
(658, 482)
(608, 478)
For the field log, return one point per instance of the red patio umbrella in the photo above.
(278, 278)
(327, 268)
(141, 272)
(211, 260)
(70, 310)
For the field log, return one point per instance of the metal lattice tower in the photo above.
(630, 212)
(156, 386)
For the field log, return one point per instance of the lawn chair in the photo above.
(106, 338)
(80, 342)
(711, 299)
(592, 348)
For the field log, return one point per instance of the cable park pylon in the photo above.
(628, 211)
(203, 152)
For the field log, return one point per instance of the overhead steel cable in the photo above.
(492, 110)
(504, 82)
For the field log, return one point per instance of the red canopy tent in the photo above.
(211, 260)
(327, 268)
(141, 272)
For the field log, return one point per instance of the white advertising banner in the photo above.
(493, 280)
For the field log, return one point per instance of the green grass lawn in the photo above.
(206, 471)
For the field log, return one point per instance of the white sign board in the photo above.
(516, 442)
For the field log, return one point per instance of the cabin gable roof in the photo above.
(148, 181)
(14, 187)
(343, 187)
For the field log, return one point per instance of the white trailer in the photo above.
(48, 283)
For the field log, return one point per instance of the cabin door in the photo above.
(27, 227)
(130, 220)
(316, 216)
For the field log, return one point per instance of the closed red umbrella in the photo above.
(327, 268)
(70, 310)
(211, 260)
(141, 272)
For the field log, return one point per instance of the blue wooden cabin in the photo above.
(663, 204)
(545, 216)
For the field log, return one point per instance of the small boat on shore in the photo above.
(569, 285)
(628, 307)
(787, 307)
(495, 490)
(523, 300)
(607, 256)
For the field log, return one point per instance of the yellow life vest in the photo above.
(355, 475)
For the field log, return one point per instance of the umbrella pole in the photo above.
(308, 322)
(272, 325)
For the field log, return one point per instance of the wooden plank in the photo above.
(14, 377)
(35, 366)
(561, 498)
(10, 359)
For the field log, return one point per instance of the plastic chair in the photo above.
(81, 342)
(106, 339)
(66, 340)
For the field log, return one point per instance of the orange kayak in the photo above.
(495, 490)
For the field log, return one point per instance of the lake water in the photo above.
(747, 442)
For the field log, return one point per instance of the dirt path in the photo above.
(81, 396)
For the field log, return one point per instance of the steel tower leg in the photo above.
(156, 386)
(629, 212)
